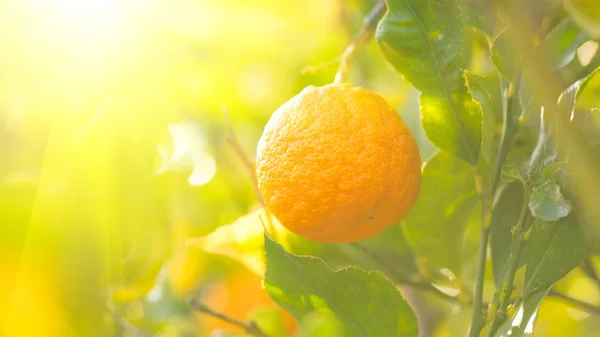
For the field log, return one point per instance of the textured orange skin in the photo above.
(337, 164)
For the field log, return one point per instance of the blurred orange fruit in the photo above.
(237, 296)
(337, 164)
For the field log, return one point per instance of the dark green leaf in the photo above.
(547, 201)
(422, 40)
(366, 303)
(435, 225)
(562, 43)
(477, 84)
(555, 248)
(522, 323)
(587, 15)
(504, 216)
(510, 174)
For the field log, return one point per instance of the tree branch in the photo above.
(249, 327)
(592, 309)
(359, 40)
(363, 36)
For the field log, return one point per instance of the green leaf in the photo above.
(478, 14)
(435, 225)
(558, 172)
(522, 323)
(422, 40)
(569, 96)
(547, 202)
(504, 216)
(366, 303)
(453, 126)
(562, 43)
(477, 84)
(243, 240)
(585, 81)
(319, 324)
(510, 174)
(587, 15)
(504, 56)
(555, 248)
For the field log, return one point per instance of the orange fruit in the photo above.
(337, 164)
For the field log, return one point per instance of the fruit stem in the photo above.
(360, 39)
(235, 144)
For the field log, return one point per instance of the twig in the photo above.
(249, 327)
(363, 36)
(235, 144)
(593, 309)
(124, 323)
(359, 40)
(401, 279)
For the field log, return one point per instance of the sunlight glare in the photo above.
(189, 151)
(91, 19)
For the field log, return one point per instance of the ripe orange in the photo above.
(337, 164)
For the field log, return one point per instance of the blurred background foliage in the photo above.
(114, 152)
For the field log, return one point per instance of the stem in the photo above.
(513, 264)
(506, 140)
(363, 36)
(399, 278)
(249, 327)
(592, 309)
(477, 316)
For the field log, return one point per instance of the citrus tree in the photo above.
(176, 168)
(516, 166)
